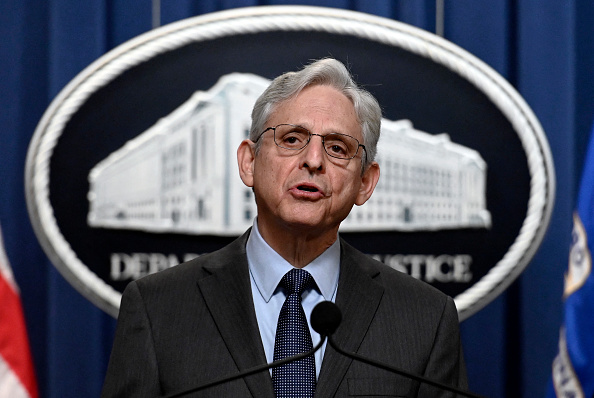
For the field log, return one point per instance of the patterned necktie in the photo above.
(298, 378)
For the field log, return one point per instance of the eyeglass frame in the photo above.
(309, 140)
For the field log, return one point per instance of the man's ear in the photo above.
(368, 182)
(246, 155)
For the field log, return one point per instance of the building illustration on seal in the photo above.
(181, 174)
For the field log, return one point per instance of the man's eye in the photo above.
(293, 140)
(337, 147)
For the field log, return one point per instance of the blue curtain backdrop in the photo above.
(543, 47)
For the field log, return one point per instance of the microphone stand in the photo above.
(401, 372)
(251, 371)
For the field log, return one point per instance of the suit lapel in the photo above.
(358, 298)
(227, 293)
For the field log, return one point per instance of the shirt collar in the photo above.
(267, 267)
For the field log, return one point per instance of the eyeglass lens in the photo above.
(337, 145)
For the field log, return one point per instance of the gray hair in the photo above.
(329, 72)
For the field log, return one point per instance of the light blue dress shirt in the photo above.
(267, 268)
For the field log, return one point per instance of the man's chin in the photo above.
(307, 222)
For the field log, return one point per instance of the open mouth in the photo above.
(307, 188)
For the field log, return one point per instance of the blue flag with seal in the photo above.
(573, 368)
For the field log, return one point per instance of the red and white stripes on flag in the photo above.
(17, 377)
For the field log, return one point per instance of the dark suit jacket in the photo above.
(195, 323)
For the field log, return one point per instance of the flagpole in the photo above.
(439, 17)
(156, 13)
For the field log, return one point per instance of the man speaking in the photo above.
(309, 159)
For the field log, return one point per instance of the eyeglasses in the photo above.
(292, 137)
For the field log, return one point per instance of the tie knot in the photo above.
(296, 281)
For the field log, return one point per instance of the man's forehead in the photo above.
(319, 108)
(307, 92)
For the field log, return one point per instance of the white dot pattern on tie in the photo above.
(295, 379)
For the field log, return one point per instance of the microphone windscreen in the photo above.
(325, 318)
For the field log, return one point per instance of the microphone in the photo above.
(251, 371)
(325, 319)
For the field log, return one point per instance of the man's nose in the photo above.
(314, 156)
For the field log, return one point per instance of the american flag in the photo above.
(17, 376)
